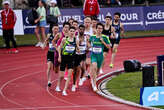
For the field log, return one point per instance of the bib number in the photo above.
(97, 50)
(51, 47)
(82, 49)
(117, 35)
(70, 49)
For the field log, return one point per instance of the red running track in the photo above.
(23, 79)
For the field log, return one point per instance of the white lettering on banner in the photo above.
(153, 22)
(155, 15)
(129, 17)
(18, 29)
(133, 23)
(153, 97)
(101, 17)
(62, 19)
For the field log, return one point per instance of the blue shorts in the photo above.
(42, 24)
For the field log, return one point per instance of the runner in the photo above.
(75, 24)
(70, 20)
(57, 40)
(80, 57)
(115, 41)
(66, 57)
(94, 23)
(88, 26)
(88, 32)
(50, 53)
(97, 42)
(109, 31)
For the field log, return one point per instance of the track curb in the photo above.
(102, 92)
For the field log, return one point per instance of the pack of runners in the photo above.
(79, 50)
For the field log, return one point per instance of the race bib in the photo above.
(97, 50)
(70, 49)
(51, 47)
(117, 35)
(82, 49)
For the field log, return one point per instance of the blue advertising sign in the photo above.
(133, 18)
(152, 96)
(27, 27)
(154, 17)
(66, 14)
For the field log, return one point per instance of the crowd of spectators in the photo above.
(24, 4)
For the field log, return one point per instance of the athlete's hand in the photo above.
(36, 21)
(78, 50)
(101, 39)
(112, 36)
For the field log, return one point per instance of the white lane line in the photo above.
(19, 67)
(62, 99)
(10, 81)
(66, 107)
(57, 97)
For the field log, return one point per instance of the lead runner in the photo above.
(97, 43)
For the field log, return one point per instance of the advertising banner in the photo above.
(154, 17)
(152, 96)
(133, 18)
(18, 29)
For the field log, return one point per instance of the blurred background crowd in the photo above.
(25, 4)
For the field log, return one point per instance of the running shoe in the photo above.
(49, 84)
(8, 51)
(92, 83)
(38, 44)
(57, 89)
(111, 65)
(95, 88)
(14, 50)
(42, 45)
(80, 82)
(101, 71)
(73, 88)
(84, 79)
(64, 93)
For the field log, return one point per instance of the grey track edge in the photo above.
(110, 96)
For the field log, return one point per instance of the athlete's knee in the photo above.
(114, 50)
(61, 74)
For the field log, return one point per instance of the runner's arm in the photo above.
(106, 42)
(122, 30)
(77, 45)
(55, 39)
(113, 33)
(59, 49)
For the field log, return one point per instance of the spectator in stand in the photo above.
(21, 4)
(41, 23)
(91, 8)
(54, 10)
(8, 19)
(33, 3)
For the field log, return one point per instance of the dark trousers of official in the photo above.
(8, 35)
